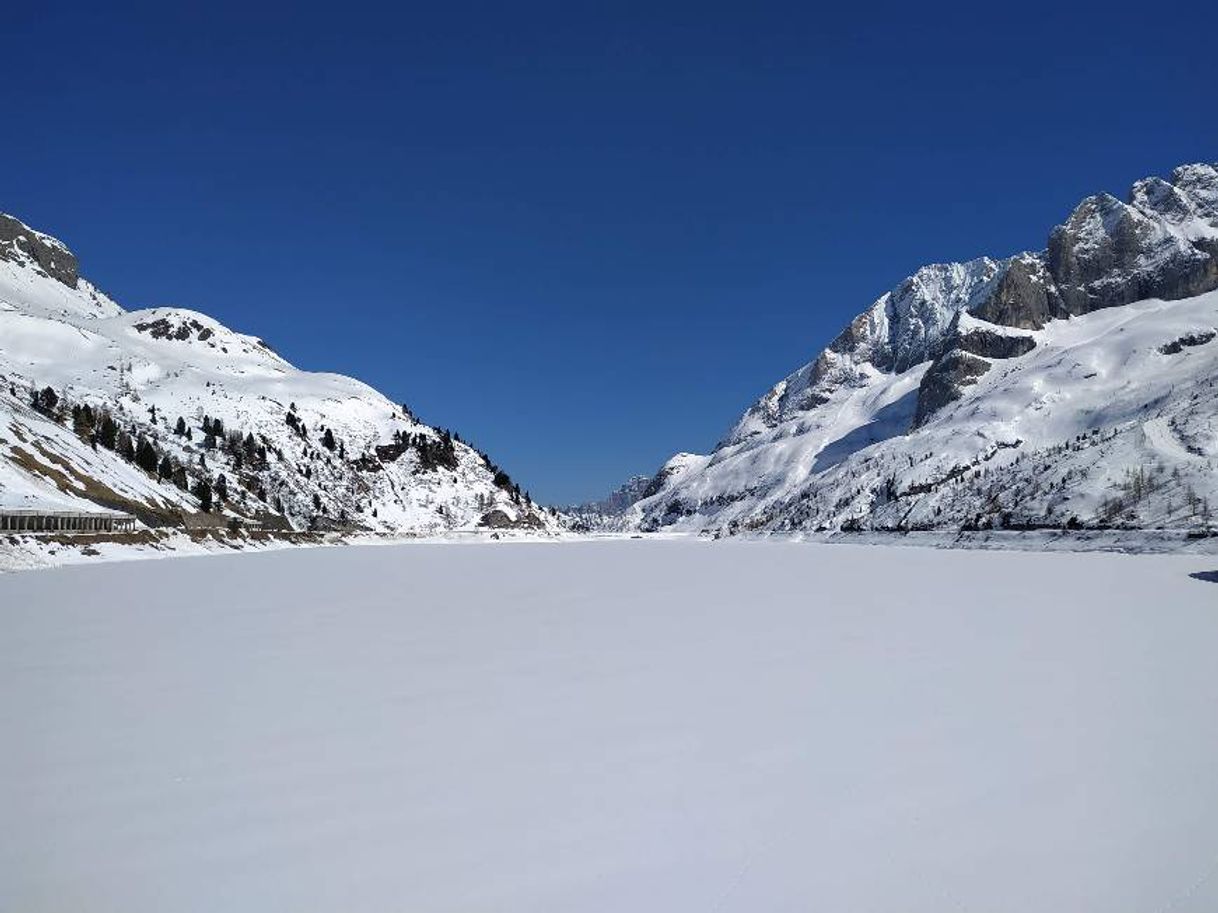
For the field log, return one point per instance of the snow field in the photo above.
(611, 725)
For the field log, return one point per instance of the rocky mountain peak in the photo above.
(928, 349)
(1200, 183)
(50, 256)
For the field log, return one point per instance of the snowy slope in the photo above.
(149, 368)
(612, 726)
(1072, 386)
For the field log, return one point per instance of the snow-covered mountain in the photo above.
(605, 513)
(157, 412)
(1074, 386)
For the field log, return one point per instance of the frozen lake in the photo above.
(611, 726)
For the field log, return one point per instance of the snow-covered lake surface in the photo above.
(610, 726)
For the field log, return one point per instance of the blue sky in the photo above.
(586, 236)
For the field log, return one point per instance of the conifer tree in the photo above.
(146, 455)
(203, 493)
(107, 432)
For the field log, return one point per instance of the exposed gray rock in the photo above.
(1110, 253)
(962, 363)
(20, 242)
(163, 328)
(945, 381)
(1024, 297)
(1160, 243)
(919, 311)
(1163, 243)
(499, 519)
(990, 344)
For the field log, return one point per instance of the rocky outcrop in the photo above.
(501, 519)
(1024, 297)
(904, 327)
(19, 242)
(921, 309)
(969, 352)
(991, 344)
(945, 381)
(1110, 253)
(164, 328)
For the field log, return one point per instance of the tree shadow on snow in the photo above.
(1207, 576)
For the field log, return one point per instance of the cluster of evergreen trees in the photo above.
(99, 428)
(45, 401)
(504, 481)
(435, 452)
(296, 423)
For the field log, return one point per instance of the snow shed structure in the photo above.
(40, 521)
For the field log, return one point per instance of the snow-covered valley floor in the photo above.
(612, 725)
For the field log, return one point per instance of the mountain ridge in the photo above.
(232, 433)
(929, 343)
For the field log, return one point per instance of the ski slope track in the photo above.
(1070, 388)
(295, 450)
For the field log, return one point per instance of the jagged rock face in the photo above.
(1110, 253)
(20, 242)
(989, 344)
(904, 327)
(905, 359)
(945, 381)
(920, 309)
(1163, 243)
(500, 519)
(1024, 297)
(968, 355)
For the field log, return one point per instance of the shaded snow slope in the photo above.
(959, 396)
(609, 726)
(317, 449)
